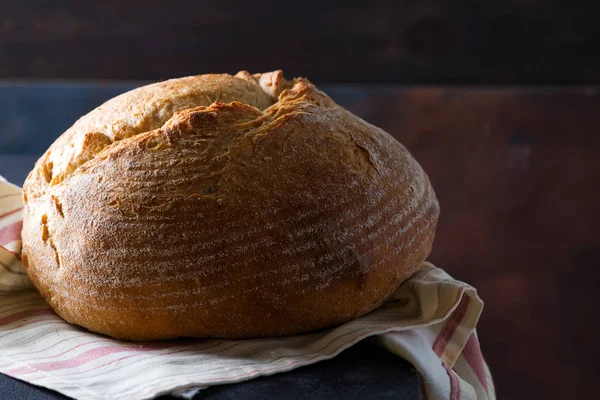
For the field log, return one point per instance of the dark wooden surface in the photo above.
(401, 41)
(517, 173)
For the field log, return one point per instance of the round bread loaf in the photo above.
(223, 206)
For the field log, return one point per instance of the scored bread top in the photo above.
(228, 206)
(145, 109)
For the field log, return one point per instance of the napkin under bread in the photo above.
(430, 321)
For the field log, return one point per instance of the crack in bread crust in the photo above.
(143, 110)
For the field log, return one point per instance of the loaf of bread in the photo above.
(223, 206)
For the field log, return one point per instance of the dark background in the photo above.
(474, 89)
(384, 41)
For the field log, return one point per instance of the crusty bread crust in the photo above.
(223, 206)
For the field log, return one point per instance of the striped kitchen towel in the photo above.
(12, 276)
(430, 321)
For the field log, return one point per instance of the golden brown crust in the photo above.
(247, 206)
